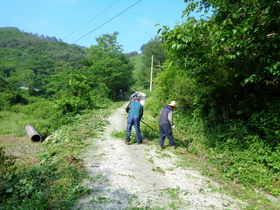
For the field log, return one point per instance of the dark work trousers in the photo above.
(165, 131)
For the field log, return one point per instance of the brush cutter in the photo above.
(148, 125)
(179, 134)
(186, 143)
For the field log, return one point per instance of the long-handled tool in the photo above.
(147, 125)
(186, 143)
(179, 134)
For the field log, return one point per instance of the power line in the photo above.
(106, 22)
(91, 19)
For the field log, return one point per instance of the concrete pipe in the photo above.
(33, 133)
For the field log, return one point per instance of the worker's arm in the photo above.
(128, 107)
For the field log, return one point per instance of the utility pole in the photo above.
(151, 79)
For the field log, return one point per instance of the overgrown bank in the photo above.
(223, 72)
(45, 175)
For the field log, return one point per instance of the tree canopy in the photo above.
(151, 50)
(106, 64)
(233, 59)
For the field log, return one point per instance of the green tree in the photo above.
(60, 79)
(106, 64)
(10, 94)
(152, 50)
(75, 95)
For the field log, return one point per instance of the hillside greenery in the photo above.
(224, 73)
(63, 91)
(222, 70)
(72, 75)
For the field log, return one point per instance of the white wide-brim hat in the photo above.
(173, 103)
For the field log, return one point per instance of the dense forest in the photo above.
(222, 70)
(48, 68)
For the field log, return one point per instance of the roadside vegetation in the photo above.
(45, 175)
(223, 73)
(222, 70)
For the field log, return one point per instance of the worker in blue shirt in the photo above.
(135, 113)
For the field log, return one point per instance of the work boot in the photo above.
(127, 141)
(160, 147)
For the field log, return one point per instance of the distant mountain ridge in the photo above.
(21, 51)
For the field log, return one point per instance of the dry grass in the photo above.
(22, 148)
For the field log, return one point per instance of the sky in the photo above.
(82, 21)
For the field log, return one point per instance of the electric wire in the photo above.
(106, 22)
(91, 20)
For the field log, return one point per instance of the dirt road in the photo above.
(144, 177)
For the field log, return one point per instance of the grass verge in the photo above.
(46, 175)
